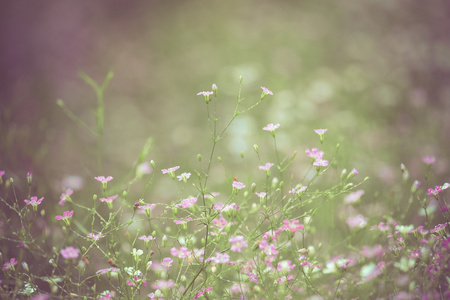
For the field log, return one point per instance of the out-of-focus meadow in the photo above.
(375, 73)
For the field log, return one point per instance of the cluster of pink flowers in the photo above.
(292, 226)
(220, 258)
(202, 291)
(237, 243)
(104, 271)
(183, 252)
(182, 221)
(9, 265)
(297, 190)
(317, 157)
(186, 203)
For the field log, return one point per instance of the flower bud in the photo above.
(152, 163)
(29, 178)
(255, 146)
(199, 157)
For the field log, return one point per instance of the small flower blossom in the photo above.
(34, 202)
(266, 167)
(252, 277)
(354, 197)
(206, 95)
(65, 196)
(104, 271)
(320, 163)
(186, 203)
(357, 221)
(70, 252)
(170, 171)
(167, 262)
(2, 173)
(65, 217)
(238, 185)
(266, 91)
(219, 258)
(237, 243)
(320, 131)
(182, 221)
(285, 266)
(432, 192)
(10, 265)
(146, 238)
(102, 179)
(271, 127)
(292, 226)
(429, 160)
(261, 195)
(269, 249)
(95, 237)
(109, 199)
(184, 176)
(314, 153)
(297, 190)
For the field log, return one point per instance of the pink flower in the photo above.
(320, 131)
(429, 160)
(261, 195)
(109, 199)
(320, 163)
(9, 265)
(314, 153)
(432, 192)
(267, 248)
(355, 172)
(354, 197)
(252, 277)
(173, 169)
(182, 221)
(95, 237)
(266, 167)
(357, 221)
(2, 173)
(297, 190)
(237, 243)
(182, 253)
(208, 93)
(285, 266)
(65, 196)
(271, 127)
(189, 202)
(146, 238)
(238, 185)
(102, 179)
(292, 226)
(167, 262)
(70, 252)
(104, 271)
(266, 91)
(66, 215)
(163, 284)
(34, 201)
(219, 258)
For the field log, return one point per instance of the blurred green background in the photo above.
(375, 73)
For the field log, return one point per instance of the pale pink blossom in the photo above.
(238, 185)
(102, 179)
(271, 127)
(70, 252)
(66, 215)
(266, 167)
(34, 201)
(320, 131)
(237, 243)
